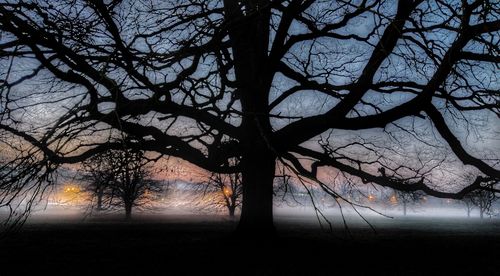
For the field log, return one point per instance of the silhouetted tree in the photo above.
(482, 200)
(121, 178)
(224, 190)
(405, 199)
(469, 206)
(274, 77)
(99, 176)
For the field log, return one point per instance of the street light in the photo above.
(227, 192)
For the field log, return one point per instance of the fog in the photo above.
(300, 214)
(184, 204)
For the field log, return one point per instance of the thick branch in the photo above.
(455, 144)
(325, 160)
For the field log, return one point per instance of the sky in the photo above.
(38, 102)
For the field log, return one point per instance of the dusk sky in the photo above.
(253, 117)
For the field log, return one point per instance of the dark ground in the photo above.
(205, 246)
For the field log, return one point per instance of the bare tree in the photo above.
(482, 200)
(121, 178)
(405, 199)
(224, 190)
(274, 77)
(98, 176)
(469, 206)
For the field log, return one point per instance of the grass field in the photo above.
(204, 245)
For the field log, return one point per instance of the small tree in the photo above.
(405, 199)
(469, 206)
(121, 178)
(481, 199)
(98, 176)
(227, 190)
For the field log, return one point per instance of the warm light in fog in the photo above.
(227, 192)
(71, 189)
(69, 193)
(393, 199)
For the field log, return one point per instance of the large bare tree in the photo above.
(351, 85)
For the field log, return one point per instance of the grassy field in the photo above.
(204, 245)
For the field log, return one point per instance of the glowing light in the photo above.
(371, 197)
(393, 199)
(227, 192)
(69, 194)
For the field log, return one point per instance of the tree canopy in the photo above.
(402, 94)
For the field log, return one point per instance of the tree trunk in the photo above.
(250, 44)
(404, 208)
(256, 218)
(231, 211)
(100, 194)
(481, 213)
(128, 211)
(468, 212)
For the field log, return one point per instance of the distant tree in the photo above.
(98, 174)
(469, 206)
(482, 200)
(406, 199)
(121, 178)
(224, 190)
